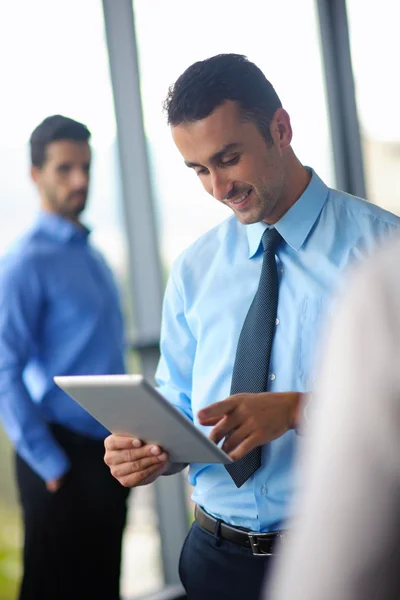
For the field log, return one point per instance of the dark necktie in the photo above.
(250, 371)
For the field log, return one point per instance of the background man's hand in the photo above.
(133, 463)
(250, 420)
(53, 485)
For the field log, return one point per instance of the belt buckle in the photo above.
(253, 537)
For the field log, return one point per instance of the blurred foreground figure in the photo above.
(345, 544)
(60, 315)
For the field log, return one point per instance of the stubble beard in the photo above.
(65, 209)
(271, 199)
(266, 200)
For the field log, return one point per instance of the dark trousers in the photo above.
(72, 545)
(214, 569)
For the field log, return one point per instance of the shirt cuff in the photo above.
(53, 464)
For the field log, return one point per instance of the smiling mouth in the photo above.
(239, 201)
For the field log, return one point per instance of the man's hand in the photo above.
(53, 485)
(250, 420)
(133, 463)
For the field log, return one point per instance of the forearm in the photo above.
(27, 430)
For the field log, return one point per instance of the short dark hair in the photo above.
(52, 129)
(206, 84)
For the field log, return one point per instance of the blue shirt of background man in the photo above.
(208, 295)
(59, 315)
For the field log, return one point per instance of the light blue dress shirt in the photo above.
(210, 289)
(59, 315)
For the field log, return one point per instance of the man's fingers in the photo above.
(218, 409)
(116, 457)
(132, 463)
(128, 454)
(235, 438)
(242, 449)
(142, 477)
(134, 458)
(128, 468)
(53, 486)
(224, 427)
(119, 442)
(211, 420)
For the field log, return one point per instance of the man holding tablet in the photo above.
(242, 313)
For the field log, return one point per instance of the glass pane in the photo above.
(375, 47)
(54, 69)
(57, 63)
(184, 32)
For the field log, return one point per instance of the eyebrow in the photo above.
(215, 158)
(69, 164)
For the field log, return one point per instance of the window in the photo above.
(54, 60)
(375, 46)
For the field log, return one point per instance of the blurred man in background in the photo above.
(345, 542)
(242, 313)
(60, 315)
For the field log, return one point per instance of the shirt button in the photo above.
(272, 376)
(277, 321)
(264, 489)
(281, 271)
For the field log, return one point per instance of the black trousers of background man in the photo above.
(211, 568)
(72, 546)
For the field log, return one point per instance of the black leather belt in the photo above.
(261, 544)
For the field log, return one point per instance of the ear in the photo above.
(35, 174)
(281, 128)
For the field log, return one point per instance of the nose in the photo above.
(221, 186)
(80, 178)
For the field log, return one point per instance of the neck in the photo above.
(75, 220)
(296, 180)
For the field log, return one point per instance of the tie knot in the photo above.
(270, 239)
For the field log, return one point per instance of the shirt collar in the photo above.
(60, 228)
(297, 222)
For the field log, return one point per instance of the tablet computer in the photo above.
(129, 405)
